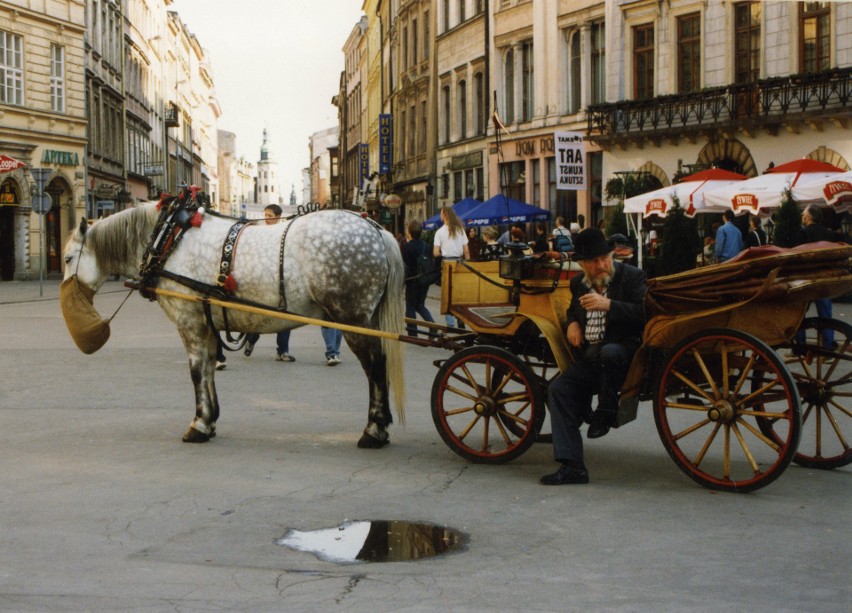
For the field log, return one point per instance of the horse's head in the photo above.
(80, 259)
(76, 294)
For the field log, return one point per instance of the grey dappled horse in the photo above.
(337, 266)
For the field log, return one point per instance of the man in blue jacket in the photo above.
(729, 239)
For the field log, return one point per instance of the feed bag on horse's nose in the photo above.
(89, 331)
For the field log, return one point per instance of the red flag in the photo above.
(8, 164)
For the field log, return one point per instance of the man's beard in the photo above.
(600, 282)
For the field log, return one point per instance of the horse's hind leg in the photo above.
(369, 352)
(200, 346)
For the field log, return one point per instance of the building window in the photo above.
(479, 6)
(689, 53)
(402, 127)
(528, 83)
(469, 183)
(423, 127)
(814, 36)
(11, 69)
(747, 42)
(598, 63)
(513, 179)
(445, 103)
(575, 66)
(536, 181)
(462, 109)
(480, 184)
(404, 43)
(509, 84)
(426, 33)
(412, 131)
(479, 103)
(462, 15)
(57, 78)
(414, 42)
(643, 61)
(446, 15)
(458, 187)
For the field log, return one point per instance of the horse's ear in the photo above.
(83, 225)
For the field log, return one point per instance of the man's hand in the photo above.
(574, 334)
(594, 301)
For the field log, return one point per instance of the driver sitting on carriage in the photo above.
(606, 319)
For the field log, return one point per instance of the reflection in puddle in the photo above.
(375, 541)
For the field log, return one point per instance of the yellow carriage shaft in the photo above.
(269, 312)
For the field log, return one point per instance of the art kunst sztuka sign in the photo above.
(570, 151)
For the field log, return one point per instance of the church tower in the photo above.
(268, 191)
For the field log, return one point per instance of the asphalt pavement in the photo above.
(103, 508)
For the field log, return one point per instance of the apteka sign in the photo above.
(570, 151)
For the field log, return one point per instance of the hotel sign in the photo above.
(363, 163)
(385, 143)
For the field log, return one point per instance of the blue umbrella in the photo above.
(461, 208)
(502, 210)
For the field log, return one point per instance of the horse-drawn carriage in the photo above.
(726, 405)
(721, 361)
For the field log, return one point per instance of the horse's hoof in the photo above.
(194, 436)
(371, 442)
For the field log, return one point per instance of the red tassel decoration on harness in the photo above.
(230, 284)
(195, 222)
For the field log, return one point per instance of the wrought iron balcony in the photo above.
(765, 104)
(172, 117)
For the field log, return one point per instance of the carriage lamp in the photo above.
(516, 266)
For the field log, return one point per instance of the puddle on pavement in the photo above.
(375, 541)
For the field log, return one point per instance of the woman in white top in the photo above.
(450, 243)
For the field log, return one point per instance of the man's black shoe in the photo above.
(565, 475)
(597, 430)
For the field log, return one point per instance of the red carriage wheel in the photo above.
(714, 387)
(475, 394)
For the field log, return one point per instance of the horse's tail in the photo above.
(391, 319)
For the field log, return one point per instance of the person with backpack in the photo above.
(561, 237)
(420, 272)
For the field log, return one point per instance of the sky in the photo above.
(276, 64)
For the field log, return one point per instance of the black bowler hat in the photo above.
(590, 244)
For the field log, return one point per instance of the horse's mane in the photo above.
(120, 239)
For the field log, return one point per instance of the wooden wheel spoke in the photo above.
(835, 425)
(761, 391)
(459, 411)
(686, 407)
(461, 393)
(690, 429)
(463, 434)
(710, 438)
(775, 446)
(516, 417)
(744, 376)
(471, 379)
(707, 376)
(486, 427)
(506, 438)
(842, 409)
(692, 386)
(745, 449)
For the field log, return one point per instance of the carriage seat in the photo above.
(493, 316)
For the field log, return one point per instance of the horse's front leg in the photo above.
(201, 350)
